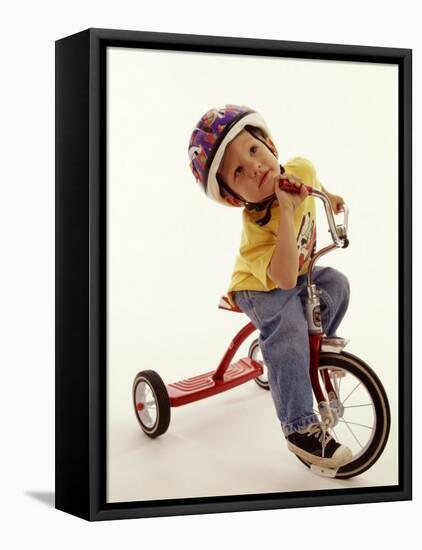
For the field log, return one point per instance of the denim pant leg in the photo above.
(279, 316)
(335, 296)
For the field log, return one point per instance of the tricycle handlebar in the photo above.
(338, 232)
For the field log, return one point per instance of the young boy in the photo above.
(234, 159)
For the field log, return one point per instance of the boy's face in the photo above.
(245, 162)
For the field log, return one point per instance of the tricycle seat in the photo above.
(225, 304)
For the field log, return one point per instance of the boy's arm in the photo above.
(284, 264)
(335, 200)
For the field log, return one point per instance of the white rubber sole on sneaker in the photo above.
(342, 456)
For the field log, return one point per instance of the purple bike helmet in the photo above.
(209, 140)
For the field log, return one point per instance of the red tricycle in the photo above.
(348, 395)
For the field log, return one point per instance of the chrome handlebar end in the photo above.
(338, 232)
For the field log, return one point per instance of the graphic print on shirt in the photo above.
(306, 239)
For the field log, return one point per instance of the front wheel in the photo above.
(363, 413)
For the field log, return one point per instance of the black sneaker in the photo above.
(317, 446)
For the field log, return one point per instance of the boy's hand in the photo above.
(336, 202)
(286, 200)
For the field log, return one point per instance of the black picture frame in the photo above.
(81, 250)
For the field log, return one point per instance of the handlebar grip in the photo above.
(285, 185)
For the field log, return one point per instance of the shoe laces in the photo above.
(320, 430)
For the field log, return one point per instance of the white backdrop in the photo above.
(27, 275)
(171, 251)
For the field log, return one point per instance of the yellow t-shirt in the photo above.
(258, 243)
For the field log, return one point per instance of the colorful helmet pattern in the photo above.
(209, 141)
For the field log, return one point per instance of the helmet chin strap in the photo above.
(265, 204)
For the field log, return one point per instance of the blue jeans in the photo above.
(284, 342)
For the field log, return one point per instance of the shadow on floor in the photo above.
(46, 497)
